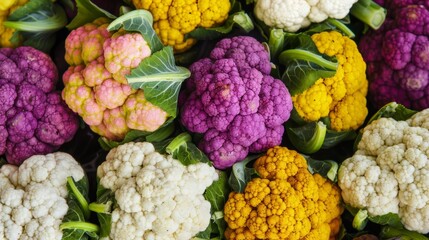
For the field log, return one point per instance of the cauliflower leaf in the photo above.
(87, 12)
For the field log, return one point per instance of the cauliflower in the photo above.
(397, 56)
(285, 202)
(389, 171)
(33, 117)
(297, 14)
(173, 19)
(95, 84)
(157, 197)
(34, 196)
(234, 102)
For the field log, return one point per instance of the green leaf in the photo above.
(333, 138)
(36, 23)
(391, 219)
(106, 199)
(304, 64)
(241, 174)
(331, 24)
(139, 21)
(238, 19)
(389, 232)
(308, 138)
(326, 168)
(160, 79)
(86, 13)
(393, 110)
(217, 195)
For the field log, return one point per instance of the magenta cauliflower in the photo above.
(233, 101)
(33, 117)
(96, 86)
(397, 55)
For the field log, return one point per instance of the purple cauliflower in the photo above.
(33, 117)
(234, 103)
(397, 55)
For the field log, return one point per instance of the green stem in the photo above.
(178, 141)
(101, 207)
(360, 219)
(342, 27)
(85, 226)
(299, 54)
(58, 21)
(369, 12)
(390, 232)
(80, 198)
(276, 42)
(243, 20)
(300, 137)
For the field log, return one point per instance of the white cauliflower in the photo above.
(157, 196)
(390, 171)
(32, 196)
(293, 15)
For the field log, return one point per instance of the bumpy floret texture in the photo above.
(7, 7)
(173, 19)
(95, 84)
(157, 196)
(294, 15)
(397, 56)
(232, 100)
(286, 202)
(33, 117)
(33, 196)
(342, 97)
(389, 172)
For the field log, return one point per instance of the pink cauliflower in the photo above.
(96, 86)
(232, 100)
(33, 118)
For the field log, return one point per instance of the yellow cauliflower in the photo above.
(6, 8)
(173, 19)
(286, 202)
(342, 97)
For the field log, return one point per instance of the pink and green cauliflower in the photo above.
(233, 101)
(96, 86)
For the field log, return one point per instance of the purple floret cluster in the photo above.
(33, 117)
(397, 55)
(234, 102)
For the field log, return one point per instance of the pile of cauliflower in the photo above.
(389, 173)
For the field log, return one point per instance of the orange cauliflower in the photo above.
(285, 202)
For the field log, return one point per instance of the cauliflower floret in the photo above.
(157, 196)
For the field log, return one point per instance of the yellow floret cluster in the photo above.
(6, 8)
(173, 19)
(285, 202)
(342, 97)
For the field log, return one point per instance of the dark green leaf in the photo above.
(68, 4)
(241, 174)
(105, 196)
(333, 138)
(139, 21)
(239, 19)
(329, 25)
(326, 168)
(36, 23)
(189, 154)
(389, 232)
(308, 138)
(391, 219)
(393, 110)
(160, 79)
(304, 64)
(86, 13)
(2, 161)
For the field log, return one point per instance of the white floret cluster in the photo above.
(292, 15)
(390, 171)
(157, 196)
(32, 196)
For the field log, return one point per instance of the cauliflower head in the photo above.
(6, 33)
(173, 19)
(157, 196)
(389, 172)
(294, 15)
(33, 117)
(397, 56)
(33, 196)
(285, 202)
(95, 83)
(232, 99)
(342, 97)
